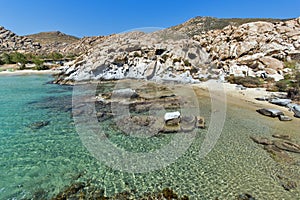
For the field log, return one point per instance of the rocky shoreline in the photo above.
(256, 49)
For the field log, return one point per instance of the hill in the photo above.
(197, 25)
(53, 37)
(9, 41)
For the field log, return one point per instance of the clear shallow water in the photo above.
(35, 163)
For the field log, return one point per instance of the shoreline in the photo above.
(27, 72)
(246, 97)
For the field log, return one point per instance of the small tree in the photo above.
(18, 58)
(6, 59)
(39, 64)
(56, 56)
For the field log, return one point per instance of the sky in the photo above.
(103, 17)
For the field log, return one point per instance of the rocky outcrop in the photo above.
(83, 45)
(9, 41)
(199, 24)
(159, 56)
(253, 49)
(256, 49)
(46, 42)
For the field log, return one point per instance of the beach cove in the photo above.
(40, 160)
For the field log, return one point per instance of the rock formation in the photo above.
(46, 42)
(159, 56)
(253, 49)
(9, 41)
(256, 49)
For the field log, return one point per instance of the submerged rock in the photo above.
(125, 93)
(70, 192)
(270, 112)
(245, 197)
(171, 128)
(172, 118)
(289, 185)
(169, 194)
(274, 148)
(261, 140)
(284, 137)
(187, 123)
(200, 122)
(287, 146)
(278, 154)
(38, 125)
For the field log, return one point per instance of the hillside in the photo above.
(197, 25)
(45, 38)
(256, 49)
(9, 41)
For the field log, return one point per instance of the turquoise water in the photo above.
(39, 163)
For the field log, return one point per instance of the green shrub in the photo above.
(187, 63)
(136, 54)
(18, 58)
(176, 60)
(41, 67)
(164, 57)
(282, 85)
(270, 80)
(38, 62)
(290, 64)
(14, 58)
(6, 58)
(247, 81)
(56, 56)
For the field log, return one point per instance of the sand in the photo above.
(245, 98)
(27, 72)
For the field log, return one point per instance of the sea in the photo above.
(42, 152)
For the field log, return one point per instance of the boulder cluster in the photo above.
(9, 42)
(254, 49)
(257, 49)
(160, 56)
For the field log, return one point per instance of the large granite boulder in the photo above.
(270, 112)
(281, 102)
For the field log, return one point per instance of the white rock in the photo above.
(172, 115)
(124, 93)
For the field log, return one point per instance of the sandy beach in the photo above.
(26, 72)
(246, 97)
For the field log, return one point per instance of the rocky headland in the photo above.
(256, 49)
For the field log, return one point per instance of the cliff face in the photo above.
(251, 49)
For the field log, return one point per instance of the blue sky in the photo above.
(103, 17)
